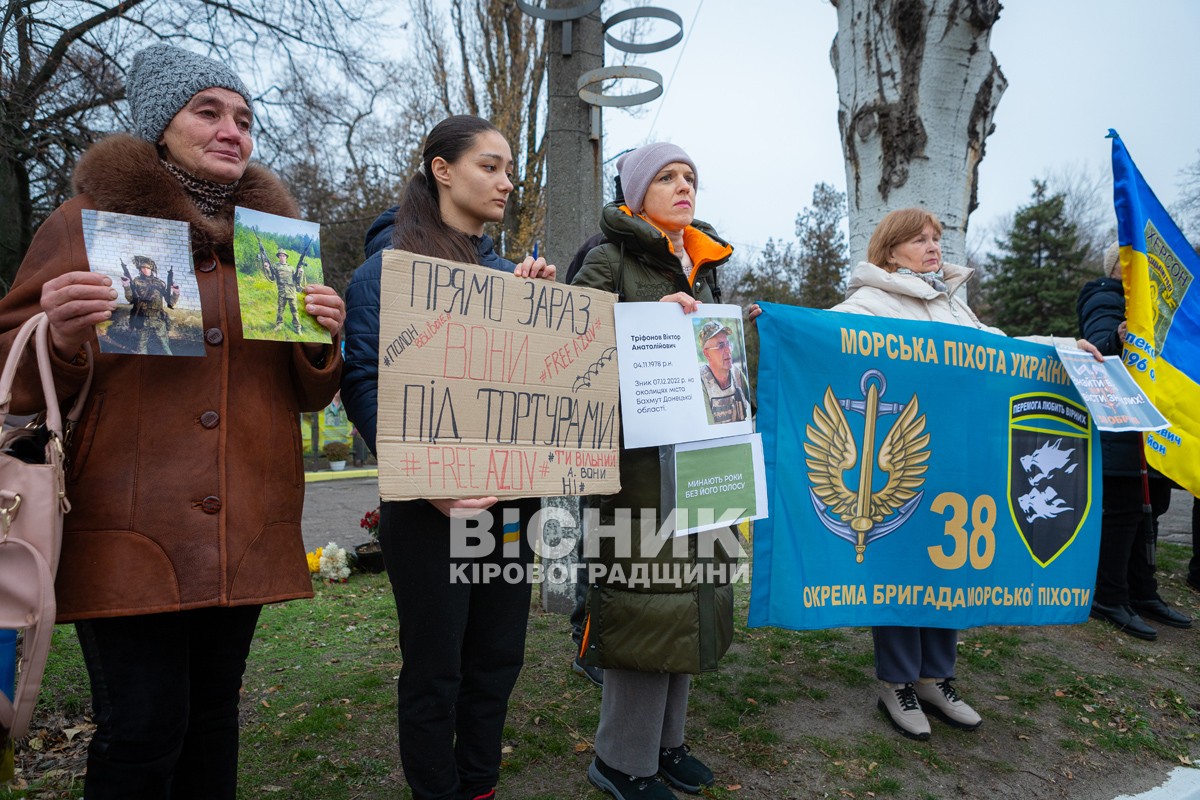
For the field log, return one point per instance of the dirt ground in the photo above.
(1023, 750)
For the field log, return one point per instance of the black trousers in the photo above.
(462, 639)
(1127, 539)
(165, 701)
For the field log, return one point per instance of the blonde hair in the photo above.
(896, 228)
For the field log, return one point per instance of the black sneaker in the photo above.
(593, 674)
(683, 770)
(626, 787)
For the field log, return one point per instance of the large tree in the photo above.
(1034, 278)
(917, 87)
(1187, 212)
(492, 64)
(62, 77)
(810, 271)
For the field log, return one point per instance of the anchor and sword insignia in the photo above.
(860, 515)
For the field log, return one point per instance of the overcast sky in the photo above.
(754, 101)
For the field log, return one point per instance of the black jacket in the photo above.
(1101, 309)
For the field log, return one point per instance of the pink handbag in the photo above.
(32, 503)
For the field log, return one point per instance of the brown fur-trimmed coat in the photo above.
(185, 478)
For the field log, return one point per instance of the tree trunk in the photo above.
(917, 87)
(16, 221)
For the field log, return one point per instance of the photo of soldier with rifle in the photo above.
(287, 282)
(267, 279)
(149, 298)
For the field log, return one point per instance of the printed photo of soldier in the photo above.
(149, 298)
(158, 300)
(277, 258)
(723, 370)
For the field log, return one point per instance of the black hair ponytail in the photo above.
(419, 224)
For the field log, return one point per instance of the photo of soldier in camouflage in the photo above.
(149, 263)
(723, 373)
(287, 283)
(277, 259)
(149, 297)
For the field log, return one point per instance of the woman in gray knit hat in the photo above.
(651, 638)
(185, 476)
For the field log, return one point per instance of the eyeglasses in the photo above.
(721, 346)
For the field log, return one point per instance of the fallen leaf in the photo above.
(506, 749)
(733, 787)
(581, 747)
(1001, 697)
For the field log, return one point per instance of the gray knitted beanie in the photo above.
(638, 167)
(164, 78)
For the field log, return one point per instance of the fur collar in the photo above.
(123, 174)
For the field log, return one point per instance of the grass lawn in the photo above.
(1070, 711)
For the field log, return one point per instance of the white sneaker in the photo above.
(940, 697)
(899, 702)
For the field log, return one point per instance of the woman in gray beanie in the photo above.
(650, 639)
(185, 475)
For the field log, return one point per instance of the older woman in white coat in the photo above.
(904, 277)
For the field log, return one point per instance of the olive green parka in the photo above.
(655, 625)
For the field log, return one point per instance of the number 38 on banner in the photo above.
(978, 544)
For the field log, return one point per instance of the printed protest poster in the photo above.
(493, 385)
(1111, 394)
(149, 261)
(683, 376)
(920, 473)
(277, 258)
(718, 483)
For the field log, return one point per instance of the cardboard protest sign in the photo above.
(490, 384)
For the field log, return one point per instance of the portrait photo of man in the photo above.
(723, 373)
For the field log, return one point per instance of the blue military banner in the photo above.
(920, 474)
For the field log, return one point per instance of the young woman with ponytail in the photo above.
(463, 644)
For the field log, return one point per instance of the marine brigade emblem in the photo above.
(1049, 479)
(860, 515)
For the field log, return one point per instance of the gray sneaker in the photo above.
(898, 701)
(939, 696)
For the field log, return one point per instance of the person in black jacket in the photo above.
(1126, 589)
(463, 644)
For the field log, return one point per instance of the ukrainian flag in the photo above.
(1162, 308)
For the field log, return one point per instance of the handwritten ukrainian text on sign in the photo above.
(490, 384)
(920, 474)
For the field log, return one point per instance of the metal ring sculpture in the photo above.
(597, 98)
(648, 12)
(590, 78)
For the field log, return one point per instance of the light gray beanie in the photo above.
(638, 167)
(1112, 263)
(164, 78)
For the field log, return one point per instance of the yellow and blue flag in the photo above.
(1162, 308)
